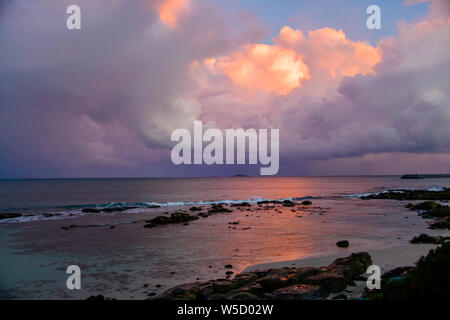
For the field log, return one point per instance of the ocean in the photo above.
(119, 258)
(68, 196)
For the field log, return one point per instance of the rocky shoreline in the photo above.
(303, 283)
(310, 283)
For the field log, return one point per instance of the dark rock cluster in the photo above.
(176, 217)
(303, 283)
(424, 238)
(431, 209)
(412, 195)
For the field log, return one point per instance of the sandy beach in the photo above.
(386, 259)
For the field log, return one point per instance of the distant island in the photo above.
(424, 176)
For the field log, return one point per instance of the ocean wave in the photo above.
(74, 211)
(367, 194)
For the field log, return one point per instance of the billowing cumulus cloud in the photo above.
(270, 68)
(323, 58)
(361, 100)
(330, 51)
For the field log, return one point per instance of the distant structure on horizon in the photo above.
(424, 176)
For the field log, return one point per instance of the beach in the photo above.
(122, 257)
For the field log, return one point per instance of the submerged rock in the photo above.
(219, 210)
(424, 238)
(242, 204)
(288, 203)
(343, 244)
(306, 203)
(10, 215)
(176, 217)
(90, 210)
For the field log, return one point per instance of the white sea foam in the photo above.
(76, 211)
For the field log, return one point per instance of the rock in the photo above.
(278, 278)
(149, 225)
(49, 215)
(203, 214)
(306, 203)
(160, 220)
(424, 238)
(229, 273)
(179, 217)
(228, 266)
(95, 298)
(90, 210)
(217, 296)
(443, 223)
(195, 209)
(113, 209)
(300, 292)
(242, 204)
(335, 277)
(288, 203)
(219, 210)
(176, 217)
(223, 285)
(9, 215)
(283, 283)
(254, 288)
(340, 296)
(244, 296)
(69, 227)
(342, 244)
(412, 195)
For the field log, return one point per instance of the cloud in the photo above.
(331, 51)
(261, 66)
(110, 93)
(402, 107)
(170, 10)
(105, 99)
(359, 100)
(324, 57)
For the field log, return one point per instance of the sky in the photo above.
(103, 101)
